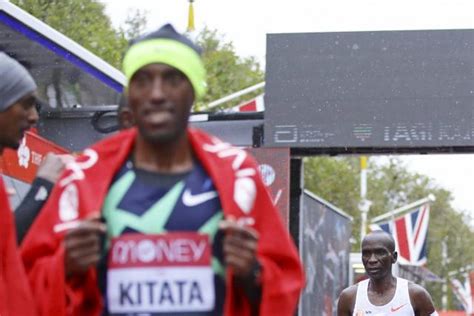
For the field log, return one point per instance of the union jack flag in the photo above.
(463, 293)
(410, 233)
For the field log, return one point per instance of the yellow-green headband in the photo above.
(170, 52)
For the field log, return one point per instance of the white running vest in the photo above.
(400, 304)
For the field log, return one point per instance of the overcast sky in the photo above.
(246, 23)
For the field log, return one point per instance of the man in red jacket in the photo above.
(17, 115)
(162, 219)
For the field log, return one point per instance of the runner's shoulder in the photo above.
(419, 295)
(348, 295)
(346, 303)
(417, 291)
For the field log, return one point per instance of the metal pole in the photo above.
(235, 95)
(364, 204)
(429, 198)
(363, 225)
(363, 177)
(444, 287)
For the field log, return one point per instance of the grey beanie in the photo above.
(15, 82)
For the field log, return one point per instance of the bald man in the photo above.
(383, 294)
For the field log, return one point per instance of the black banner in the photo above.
(387, 89)
(325, 248)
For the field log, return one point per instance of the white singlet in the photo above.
(400, 304)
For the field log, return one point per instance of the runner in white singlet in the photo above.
(383, 294)
(400, 304)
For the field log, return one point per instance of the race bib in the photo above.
(160, 273)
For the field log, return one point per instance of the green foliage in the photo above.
(226, 71)
(390, 186)
(84, 21)
(334, 179)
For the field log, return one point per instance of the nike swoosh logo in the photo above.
(41, 194)
(193, 200)
(393, 310)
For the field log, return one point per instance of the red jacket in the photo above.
(15, 294)
(82, 189)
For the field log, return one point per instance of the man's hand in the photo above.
(82, 246)
(240, 247)
(240, 253)
(52, 166)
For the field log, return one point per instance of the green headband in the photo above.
(170, 52)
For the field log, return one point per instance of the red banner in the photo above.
(171, 249)
(274, 166)
(23, 163)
